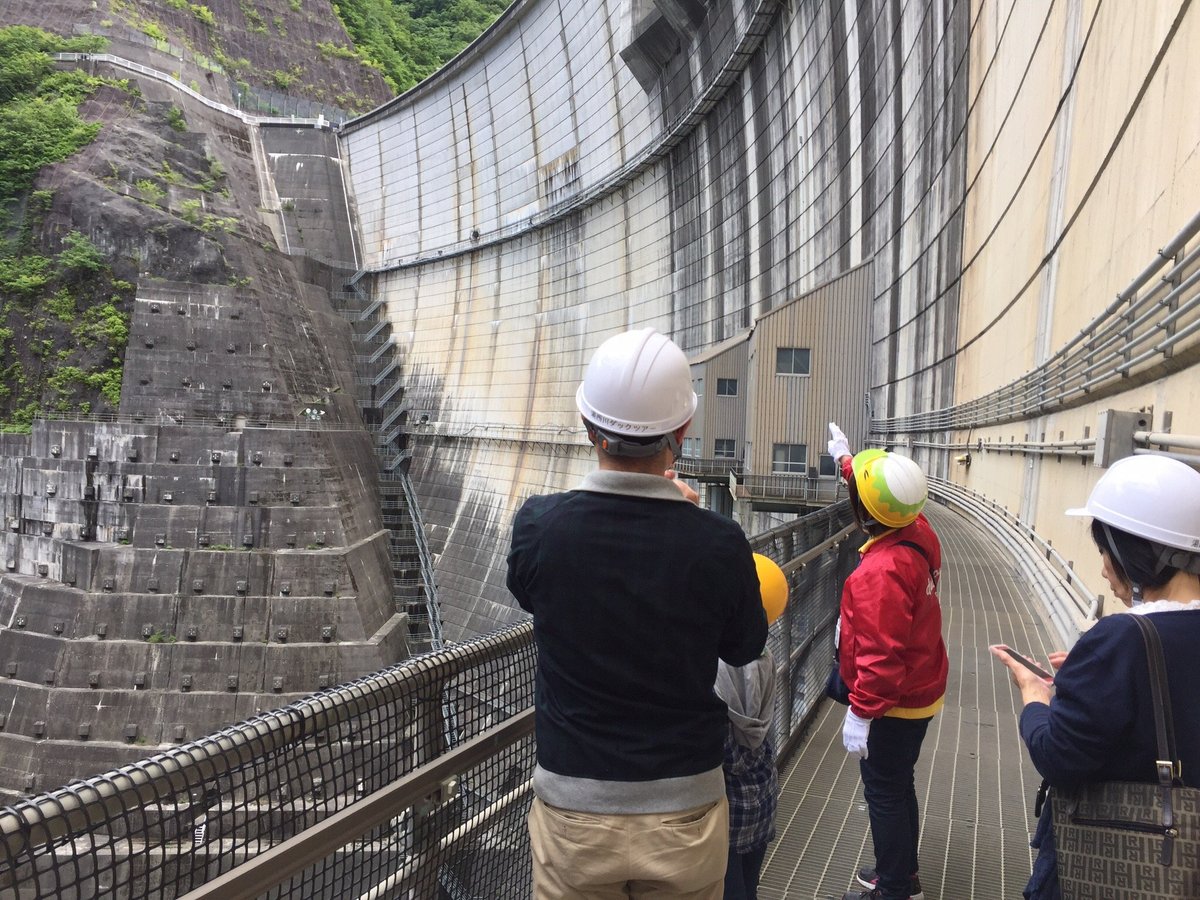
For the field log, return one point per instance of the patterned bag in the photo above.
(1126, 840)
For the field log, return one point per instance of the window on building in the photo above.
(698, 386)
(726, 387)
(691, 446)
(828, 466)
(725, 448)
(790, 459)
(792, 360)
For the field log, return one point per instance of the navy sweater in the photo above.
(1099, 725)
(635, 594)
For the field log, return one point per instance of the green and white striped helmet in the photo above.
(892, 487)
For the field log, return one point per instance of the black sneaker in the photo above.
(863, 895)
(869, 878)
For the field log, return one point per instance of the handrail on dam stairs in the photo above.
(414, 779)
(381, 396)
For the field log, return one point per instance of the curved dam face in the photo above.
(586, 167)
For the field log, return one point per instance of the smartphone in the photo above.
(1027, 663)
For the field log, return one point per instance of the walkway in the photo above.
(974, 780)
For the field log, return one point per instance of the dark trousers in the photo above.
(741, 875)
(893, 747)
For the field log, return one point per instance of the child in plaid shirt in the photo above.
(751, 781)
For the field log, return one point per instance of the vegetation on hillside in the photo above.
(62, 328)
(39, 107)
(408, 40)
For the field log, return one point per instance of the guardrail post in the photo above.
(437, 815)
(785, 639)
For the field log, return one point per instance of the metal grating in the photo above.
(974, 779)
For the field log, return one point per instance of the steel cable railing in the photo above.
(1068, 601)
(1143, 332)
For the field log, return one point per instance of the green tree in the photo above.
(409, 40)
(79, 256)
(25, 63)
(34, 133)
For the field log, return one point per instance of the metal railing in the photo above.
(411, 782)
(1068, 601)
(383, 410)
(1152, 327)
(166, 825)
(709, 467)
(424, 557)
(791, 489)
(318, 121)
(228, 422)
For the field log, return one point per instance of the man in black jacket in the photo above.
(635, 593)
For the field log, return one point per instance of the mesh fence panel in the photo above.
(162, 826)
(173, 823)
(801, 640)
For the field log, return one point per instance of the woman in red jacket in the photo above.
(891, 655)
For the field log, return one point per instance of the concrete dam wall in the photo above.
(1005, 169)
(588, 167)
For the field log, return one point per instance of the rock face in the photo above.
(217, 548)
(279, 51)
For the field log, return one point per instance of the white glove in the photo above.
(854, 734)
(839, 446)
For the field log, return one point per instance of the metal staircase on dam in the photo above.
(380, 385)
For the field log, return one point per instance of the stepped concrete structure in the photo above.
(220, 546)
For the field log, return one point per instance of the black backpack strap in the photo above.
(919, 549)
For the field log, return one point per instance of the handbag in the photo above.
(836, 688)
(1126, 840)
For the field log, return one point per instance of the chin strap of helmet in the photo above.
(618, 445)
(1174, 557)
(1116, 555)
(862, 518)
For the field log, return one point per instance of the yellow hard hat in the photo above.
(773, 586)
(891, 486)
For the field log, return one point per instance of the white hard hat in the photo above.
(638, 384)
(1152, 496)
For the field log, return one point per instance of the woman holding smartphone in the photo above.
(1097, 722)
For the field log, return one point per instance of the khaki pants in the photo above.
(585, 856)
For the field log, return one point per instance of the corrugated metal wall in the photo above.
(797, 409)
(725, 417)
